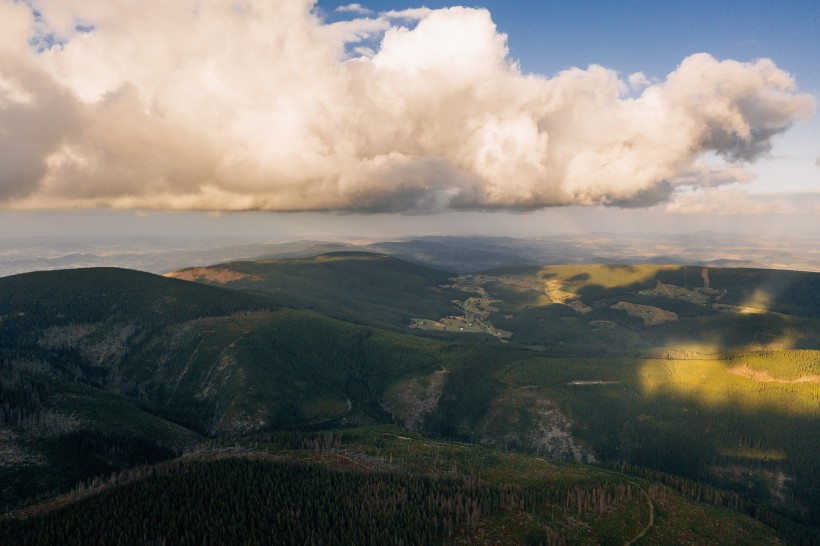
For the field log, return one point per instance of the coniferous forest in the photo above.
(571, 404)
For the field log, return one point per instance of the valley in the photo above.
(656, 381)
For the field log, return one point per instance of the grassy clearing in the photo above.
(711, 383)
(648, 314)
(785, 365)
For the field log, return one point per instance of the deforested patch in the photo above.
(525, 420)
(553, 433)
(241, 422)
(49, 423)
(218, 275)
(13, 453)
(217, 375)
(100, 344)
(412, 400)
(765, 377)
(648, 314)
(775, 480)
(68, 336)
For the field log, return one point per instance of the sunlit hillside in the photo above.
(658, 371)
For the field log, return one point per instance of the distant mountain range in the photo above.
(456, 254)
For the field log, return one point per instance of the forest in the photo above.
(113, 380)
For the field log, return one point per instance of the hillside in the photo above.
(53, 298)
(178, 355)
(381, 486)
(359, 286)
(584, 363)
(609, 309)
(703, 248)
(213, 359)
(577, 310)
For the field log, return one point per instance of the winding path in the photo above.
(651, 518)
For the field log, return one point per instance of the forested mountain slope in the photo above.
(705, 374)
(367, 288)
(381, 486)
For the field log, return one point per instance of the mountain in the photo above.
(451, 253)
(685, 376)
(216, 360)
(474, 254)
(360, 286)
(455, 254)
(146, 254)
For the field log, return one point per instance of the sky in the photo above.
(392, 118)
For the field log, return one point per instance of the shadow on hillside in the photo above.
(685, 397)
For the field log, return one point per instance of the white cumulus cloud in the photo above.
(252, 104)
(358, 9)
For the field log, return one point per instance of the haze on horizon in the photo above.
(323, 108)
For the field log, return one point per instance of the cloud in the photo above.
(357, 9)
(709, 174)
(817, 161)
(734, 201)
(638, 81)
(410, 14)
(263, 105)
